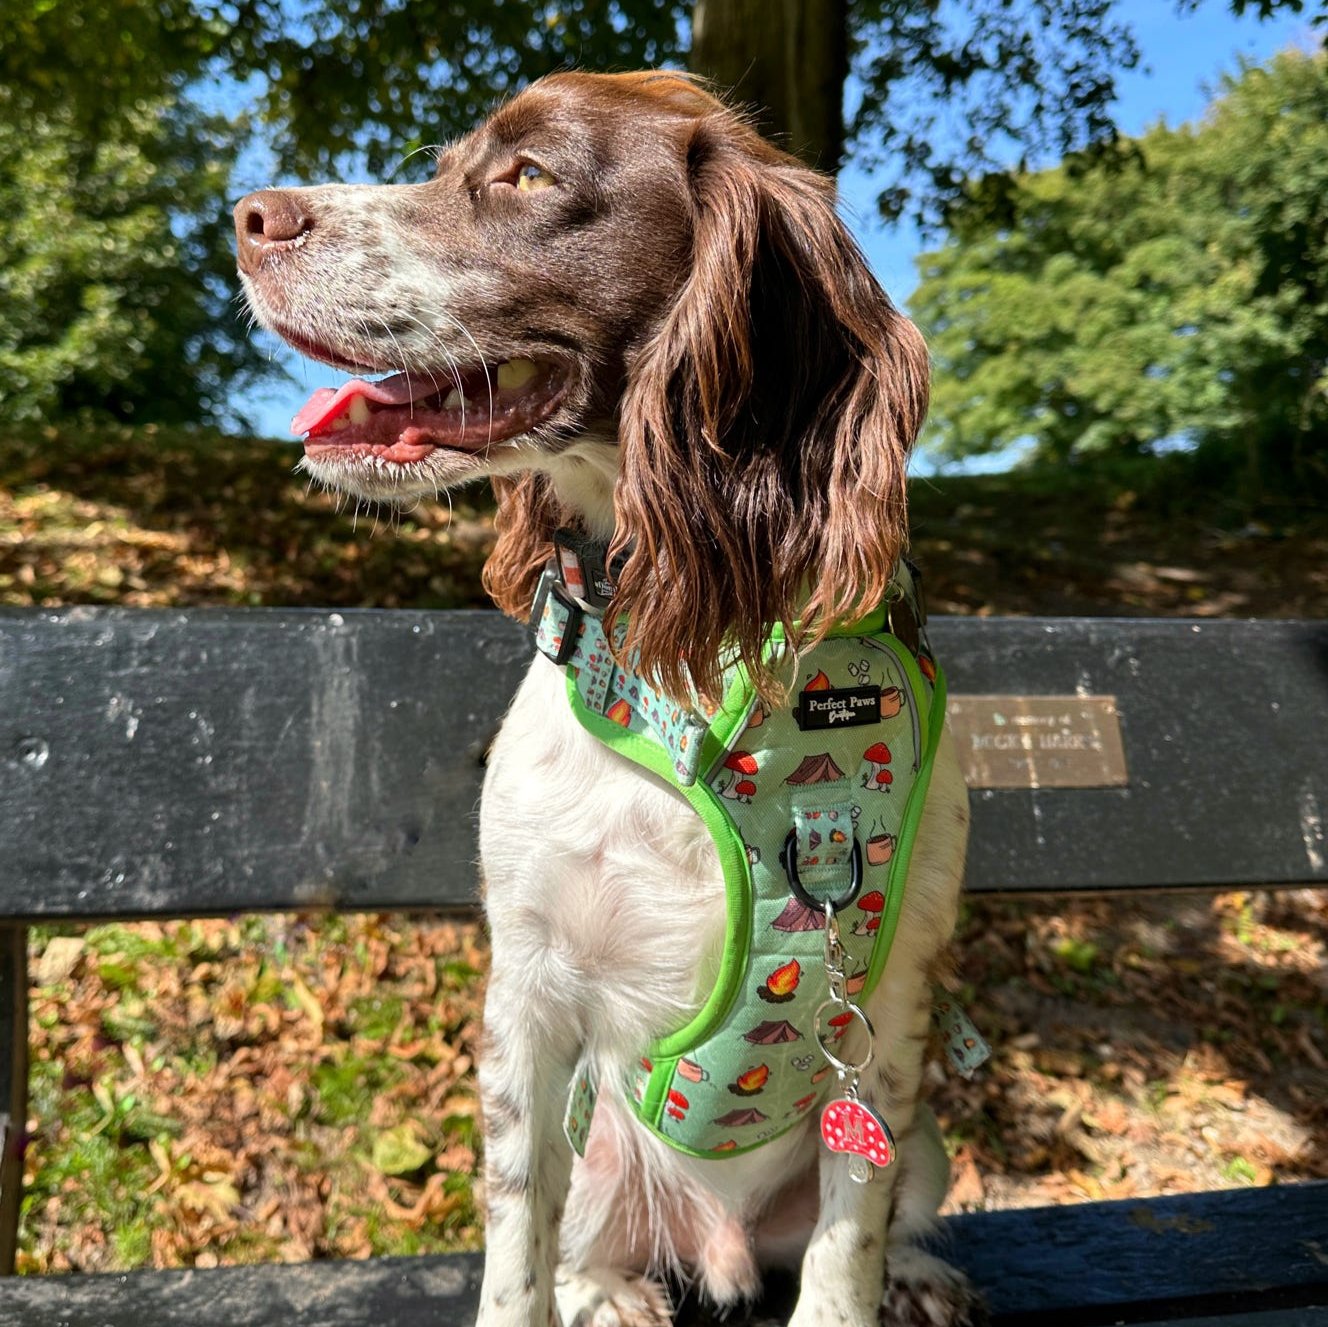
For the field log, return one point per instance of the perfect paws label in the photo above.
(837, 707)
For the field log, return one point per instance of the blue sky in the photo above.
(1183, 59)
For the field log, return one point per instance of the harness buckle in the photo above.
(906, 611)
(581, 560)
(563, 644)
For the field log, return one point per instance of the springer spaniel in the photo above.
(638, 319)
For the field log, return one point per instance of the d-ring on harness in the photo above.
(847, 1124)
(811, 910)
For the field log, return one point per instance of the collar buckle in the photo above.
(555, 618)
(582, 564)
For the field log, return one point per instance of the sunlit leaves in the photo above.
(1179, 297)
(115, 254)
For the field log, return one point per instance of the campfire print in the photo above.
(750, 1081)
(781, 984)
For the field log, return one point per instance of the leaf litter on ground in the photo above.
(288, 1087)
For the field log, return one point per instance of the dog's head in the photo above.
(630, 311)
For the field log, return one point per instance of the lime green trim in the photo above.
(732, 860)
(933, 721)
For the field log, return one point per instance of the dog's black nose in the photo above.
(266, 219)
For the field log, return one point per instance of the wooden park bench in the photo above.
(172, 764)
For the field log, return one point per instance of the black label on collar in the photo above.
(838, 707)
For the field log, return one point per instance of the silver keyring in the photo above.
(841, 1066)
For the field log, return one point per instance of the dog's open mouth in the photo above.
(404, 417)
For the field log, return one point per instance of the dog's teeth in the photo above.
(514, 373)
(455, 399)
(359, 411)
(341, 422)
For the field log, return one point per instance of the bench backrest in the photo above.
(215, 761)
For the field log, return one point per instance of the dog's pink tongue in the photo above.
(327, 404)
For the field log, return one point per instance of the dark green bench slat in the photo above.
(1223, 727)
(1251, 1257)
(216, 761)
(384, 1292)
(1134, 1260)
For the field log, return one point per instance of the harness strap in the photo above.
(567, 633)
(566, 617)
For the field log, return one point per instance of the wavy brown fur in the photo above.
(764, 426)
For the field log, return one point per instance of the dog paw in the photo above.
(603, 1298)
(923, 1291)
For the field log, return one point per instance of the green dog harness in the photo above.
(804, 802)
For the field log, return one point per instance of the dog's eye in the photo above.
(530, 177)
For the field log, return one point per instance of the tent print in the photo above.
(816, 769)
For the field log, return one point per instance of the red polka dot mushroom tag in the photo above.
(849, 1125)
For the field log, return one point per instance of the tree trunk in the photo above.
(784, 59)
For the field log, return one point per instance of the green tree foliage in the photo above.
(375, 79)
(1177, 292)
(116, 268)
(114, 283)
(113, 174)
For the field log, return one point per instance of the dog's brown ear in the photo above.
(766, 428)
(528, 514)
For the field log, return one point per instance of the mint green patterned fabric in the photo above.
(748, 1067)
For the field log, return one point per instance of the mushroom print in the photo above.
(877, 777)
(892, 667)
(740, 788)
(872, 905)
(677, 1105)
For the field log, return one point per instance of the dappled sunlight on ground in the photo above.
(1142, 1046)
(285, 1087)
(281, 1088)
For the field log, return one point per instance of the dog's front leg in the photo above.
(844, 1267)
(524, 1073)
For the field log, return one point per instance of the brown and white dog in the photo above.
(635, 316)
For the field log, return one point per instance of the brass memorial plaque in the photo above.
(1038, 741)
